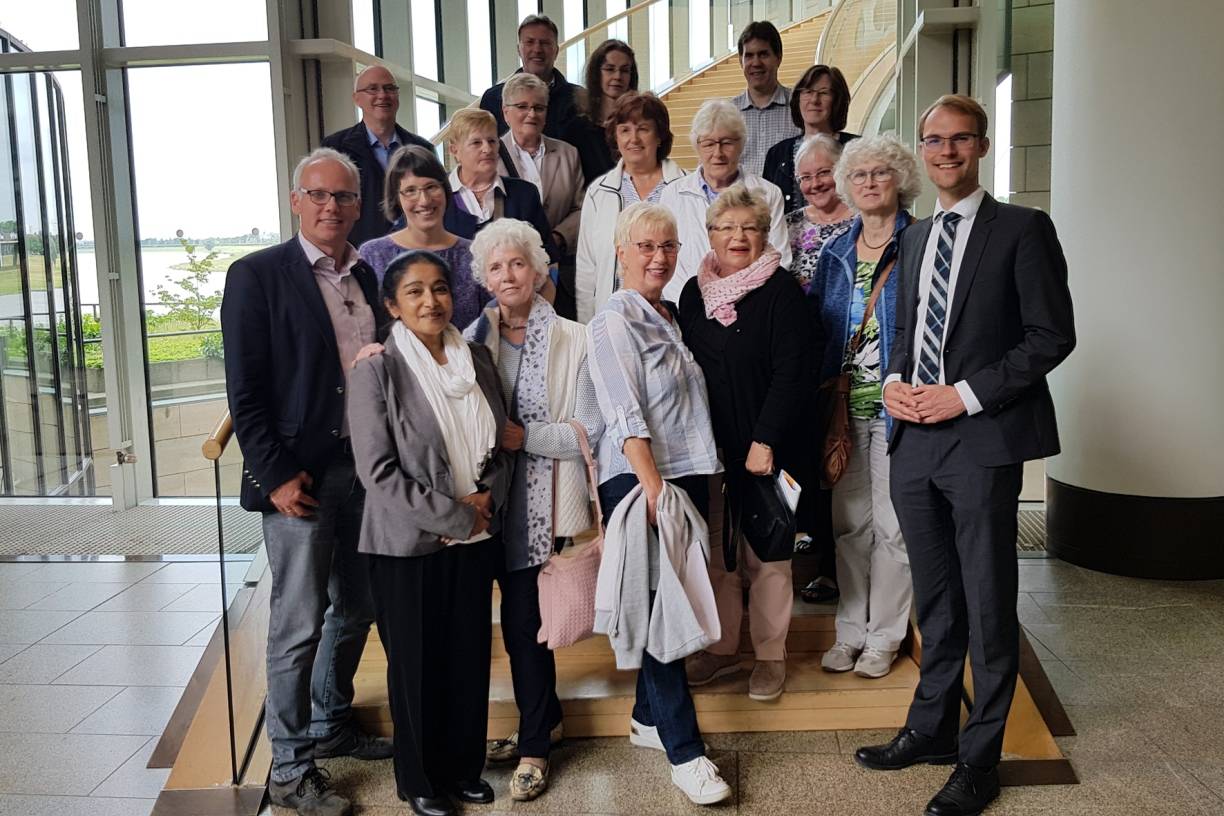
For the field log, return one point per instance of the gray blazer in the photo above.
(401, 458)
(561, 178)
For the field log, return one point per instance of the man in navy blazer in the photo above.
(538, 49)
(983, 315)
(370, 143)
(293, 318)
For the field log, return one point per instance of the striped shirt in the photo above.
(766, 127)
(650, 387)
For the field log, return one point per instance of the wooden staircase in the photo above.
(597, 698)
(726, 79)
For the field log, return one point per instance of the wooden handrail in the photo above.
(215, 444)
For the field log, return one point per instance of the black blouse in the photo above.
(758, 369)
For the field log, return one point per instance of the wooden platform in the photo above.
(597, 699)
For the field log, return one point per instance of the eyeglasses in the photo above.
(750, 230)
(373, 90)
(648, 248)
(344, 198)
(820, 93)
(957, 140)
(428, 190)
(710, 144)
(880, 175)
(524, 108)
(819, 175)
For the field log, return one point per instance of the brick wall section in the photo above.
(1032, 81)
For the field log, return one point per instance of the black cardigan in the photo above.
(757, 370)
(780, 169)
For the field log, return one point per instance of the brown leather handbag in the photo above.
(833, 401)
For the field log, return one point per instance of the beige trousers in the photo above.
(771, 593)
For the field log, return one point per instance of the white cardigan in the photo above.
(595, 268)
(688, 203)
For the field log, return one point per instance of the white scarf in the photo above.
(463, 413)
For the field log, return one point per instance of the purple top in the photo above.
(468, 295)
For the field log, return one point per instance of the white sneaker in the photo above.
(840, 658)
(874, 663)
(644, 736)
(700, 781)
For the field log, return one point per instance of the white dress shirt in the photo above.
(967, 208)
(467, 198)
(528, 164)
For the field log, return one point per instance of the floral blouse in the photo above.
(807, 239)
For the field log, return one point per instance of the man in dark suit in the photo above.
(294, 317)
(370, 143)
(983, 316)
(537, 47)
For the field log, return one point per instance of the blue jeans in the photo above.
(663, 699)
(320, 614)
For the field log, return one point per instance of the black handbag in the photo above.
(757, 510)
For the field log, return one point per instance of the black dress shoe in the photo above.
(431, 806)
(356, 744)
(476, 791)
(906, 749)
(967, 792)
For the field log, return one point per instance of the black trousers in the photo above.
(434, 617)
(532, 667)
(959, 523)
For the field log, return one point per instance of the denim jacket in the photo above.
(832, 288)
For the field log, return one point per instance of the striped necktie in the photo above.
(937, 302)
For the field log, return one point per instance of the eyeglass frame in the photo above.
(710, 144)
(729, 229)
(957, 140)
(526, 107)
(817, 176)
(875, 175)
(310, 194)
(373, 90)
(412, 193)
(670, 248)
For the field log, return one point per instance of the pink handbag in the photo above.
(567, 579)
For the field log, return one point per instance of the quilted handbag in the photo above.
(567, 580)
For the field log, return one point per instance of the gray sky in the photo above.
(182, 118)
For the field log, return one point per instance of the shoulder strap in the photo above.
(504, 153)
(871, 302)
(592, 476)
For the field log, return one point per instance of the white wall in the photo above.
(1136, 193)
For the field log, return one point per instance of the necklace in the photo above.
(863, 238)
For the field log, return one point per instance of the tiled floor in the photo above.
(93, 659)
(1137, 663)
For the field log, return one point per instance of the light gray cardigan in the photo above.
(401, 458)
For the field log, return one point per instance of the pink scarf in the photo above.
(721, 294)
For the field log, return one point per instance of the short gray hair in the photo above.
(889, 151)
(820, 143)
(512, 233)
(519, 84)
(739, 197)
(647, 213)
(717, 114)
(321, 154)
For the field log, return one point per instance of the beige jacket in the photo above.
(562, 182)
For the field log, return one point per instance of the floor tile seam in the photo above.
(97, 648)
(119, 767)
(177, 598)
(212, 623)
(1180, 772)
(41, 640)
(24, 647)
(113, 695)
(61, 585)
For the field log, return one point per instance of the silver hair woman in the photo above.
(550, 164)
(878, 176)
(825, 214)
(658, 436)
(541, 359)
(717, 135)
(745, 321)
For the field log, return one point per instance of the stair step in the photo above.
(598, 699)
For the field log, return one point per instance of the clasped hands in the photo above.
(482, 503)
(923, 404)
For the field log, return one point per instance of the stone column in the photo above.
(1136, 181)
